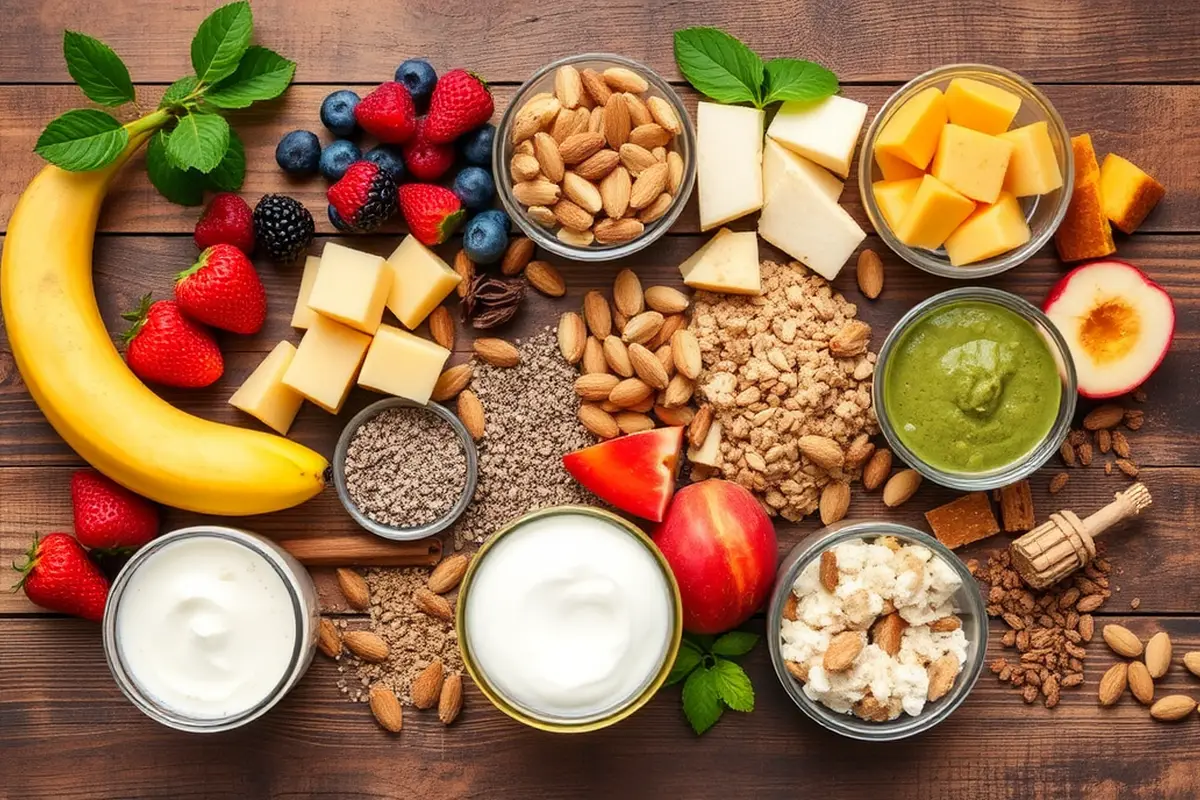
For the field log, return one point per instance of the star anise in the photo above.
(492, 301)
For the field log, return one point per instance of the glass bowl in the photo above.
(543, 81)
(1044, 213)
(968, 602)
(1027, 464)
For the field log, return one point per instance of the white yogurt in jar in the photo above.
(569, 616)
(206, 627)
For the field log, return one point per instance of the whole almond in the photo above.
(524, 167)
(593, 362)
(1158, 654)
(441, 327)
(354, 589)
(650, 135)
(385, 707)
(534, 116)
(448, 574)
(464, 267)
(582, 193)
(641, 328)
(698, 429)
(888, 633)
(656, 210)
(636, 158)
(597, 314)
(900, 487)
(451, 701)
(666, 300)
(878, 467)
(536, 192)
(639, 113)
(660, 153)
(648, 367)
(629, 392)
(1113, 683)
(859, 451)
(648, 186)
(1140, 683)
(433, 604)
(628, 296)
(329, 640)
(941, 676)
(1105, 416)
(497, 352)
(516, 256)
(596, 121)
(596, 386)
(835, 502)
(664, 114)
(617, 356)
(674, 172)
(594, 85)
(1172, 708)
(621, 79)
(598, 421)
(568, 122)
(822, 451)
(369, 647)
(470, 412)
(615, 191)
(685, 349)
(671, 323)
(568, 86)
(843, 649)
(572, 216)
(579, 147)
(616, 231)
(1123, 641)
(451, 382)
(524, 148)
(675, 417)
(870, 274)
(679, 391)
(572, 337)
(618, 321)
(617, 123)
(598, 166)
(633, 422)
(427, 686)
(545, 278)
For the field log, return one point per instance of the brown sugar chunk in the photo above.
(1016, 507)
(962, 521)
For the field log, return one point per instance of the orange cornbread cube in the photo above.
(912, 132)
(1127, 193)
(1086, 166)
(1085, 232)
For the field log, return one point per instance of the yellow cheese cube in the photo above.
(1086, 167)
(894, 198)
(302, 315)
(727, 263)
(980, 106)
(421, 281)
(326, 362)
(1128, 193)
(989, 231)
(913, 131)
(264, 395)
(351, 287)
(896, 169)
(401, 364)
(972, 163)
(936, 210)
(1033, 168)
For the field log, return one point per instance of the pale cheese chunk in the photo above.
(825, 132)
(729, 145)
(264, 396)
(401, 364)
(351, 287)
(778, 160)
(326, 362)
(421, 281)
(727, 263)
(302, 315)
(709, 452)
(802, 222)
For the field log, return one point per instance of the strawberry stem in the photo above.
(137, 317)
(30, 563)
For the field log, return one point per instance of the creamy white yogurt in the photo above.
(569, 616)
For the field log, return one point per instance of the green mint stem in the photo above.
(149, 123)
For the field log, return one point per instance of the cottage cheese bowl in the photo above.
(883, 693)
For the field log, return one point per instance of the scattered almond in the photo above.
(641, 328)
(427, 686)
(441, 327)
(877, 469)
(870, 274)
(1105, 416)
(545, 278)
(450, 703)
(685, 349)
(1058, 482)
(329, 640)
(633, 422)
(369, 647)
(835, 502)
(496, 352)
(859, 451)
(448, 574)
(1140, 683)
(843, 649)
(1192, 662)
(451, 382)
(354, 589)
(1158, 655)
(572, 336)
(629, 392)
(675, 417)
(598, 421)
(465, 268)
(1172, 708)
(385, 707)
(1122, 641)
(617, 356)
(596, 386)
(597, 314)
(822, 451)
(593, 362)
(666, 300)
(678, 391)
(671, 323)
(470, 412)
(902, 486)
(434, 605)
(1113, 683)
(647, 366)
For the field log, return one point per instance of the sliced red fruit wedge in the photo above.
(1117, 322)
(635, 473)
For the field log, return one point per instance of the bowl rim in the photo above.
(501, 155)
(924, 259)
(808, 550)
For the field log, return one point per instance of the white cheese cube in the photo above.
(778, 160)
(825, 132)
(727, 263)
(804, 223)
(709, 452)
(728, 162)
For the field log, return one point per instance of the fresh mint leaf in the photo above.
(177, 91)
(82, 140)
(794, 79)
(733, 685)
(99, 71)
(229, 175)
(702, 641)
(719, 65)
(221, 41)
(735, 643)
(199, 141)
(687, 660)
(262, 75)
(183, 187)
(701, 700)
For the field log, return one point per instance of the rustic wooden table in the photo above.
(1126, 72)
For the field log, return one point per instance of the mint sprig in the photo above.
(712, 681)
(221, 41)
(81, 140)
(723, 68)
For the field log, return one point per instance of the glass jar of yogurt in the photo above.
(206, 628)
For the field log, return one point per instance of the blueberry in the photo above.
(299, 153)
(497, 217)
(335, 219)
(475, 187)
(477, 145)
(338, 157)
(486, 237)
(337, 112)
(389, 159)
(418, 77)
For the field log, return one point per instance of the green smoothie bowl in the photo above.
(975, 389)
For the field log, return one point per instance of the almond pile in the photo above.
(1145, 665)
(1101, 437)
(596, 160)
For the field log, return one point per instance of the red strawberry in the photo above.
(166, 347)
(425, 160)
(223, 290)
(58, 575)
(107, 515)
(432, 212)
(227, 220)
(364, 198)
(388, 113)
(460, 102)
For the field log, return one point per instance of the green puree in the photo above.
(971, 387)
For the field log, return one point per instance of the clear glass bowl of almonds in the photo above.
(595, 157)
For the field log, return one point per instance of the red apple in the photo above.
(635, 473)
(721, 546)
(1117, 322)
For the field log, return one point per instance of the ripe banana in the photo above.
(89, 395)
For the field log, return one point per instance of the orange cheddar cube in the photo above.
(896, 169)
(1085, 232)
(1086, 166)
(972, 163)
(912, 133)
(894, 198)
(988, 232)
(1127, 193)
(1033, 168)
(980, 106)
(935, 211)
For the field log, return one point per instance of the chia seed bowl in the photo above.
(397, 532)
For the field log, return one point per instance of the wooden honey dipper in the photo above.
(1064, 543)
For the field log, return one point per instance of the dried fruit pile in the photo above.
(1101, 434)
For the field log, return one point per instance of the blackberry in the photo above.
(283, 227)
